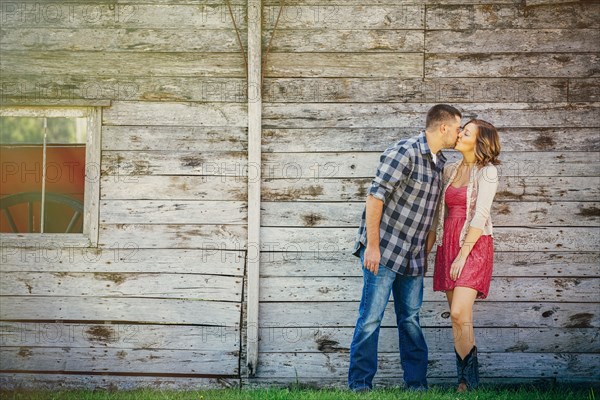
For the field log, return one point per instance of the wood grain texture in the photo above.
(173, 187)
(125, 309)
(124, 258)
(546, 65)
(71, 359)
(120, 336)
(326, 65)
(513, 41)
(123, 63)
(316, 289)
(115, 284)
(13, 381)
(442, 364)
(506, 239)
(507, 16)
(305, 214)
(165, 294)
(436, 314)
(516, 115)
(526, 262)
(290, 140)
(174, 236)
(493, 340)
(521, 188)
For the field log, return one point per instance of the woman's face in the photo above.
(467, 138)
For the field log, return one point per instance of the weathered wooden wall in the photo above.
(345, 81)
(161, 301)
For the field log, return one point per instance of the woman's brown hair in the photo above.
(487, 147)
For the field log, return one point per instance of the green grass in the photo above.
(489, 393)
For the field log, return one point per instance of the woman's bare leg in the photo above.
(449, 297)
(461, 312)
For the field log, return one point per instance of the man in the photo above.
(391, 243)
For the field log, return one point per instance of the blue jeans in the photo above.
(408, 297)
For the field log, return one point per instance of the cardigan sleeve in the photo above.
(446, 174)
(487, 186)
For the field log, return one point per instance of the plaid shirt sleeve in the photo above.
(394, 165)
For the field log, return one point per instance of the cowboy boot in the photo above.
(467, 371)
(460, 372)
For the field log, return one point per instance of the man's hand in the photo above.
(372, 257)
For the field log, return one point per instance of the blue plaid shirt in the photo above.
(409, 183)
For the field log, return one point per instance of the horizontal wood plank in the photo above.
(510, 16)
(123, 63)
(54, 88)
(323, 65)
(407, 90)
(435, 314)
(115, 284)
(526, 263)
(293, 167)
(515, 115)
(40, 88)
(545, 65)
(105, 15)
(288, 339)
(440, 364)
(175, 138)
(15, 381)
(512, 41)
(174, 236)
(577, 290)
(173, 212)
(305, 214)
(174, 187)
(68, 359)
(350, 40)
(147, 310)
(111, 39)
(179, 114)
(190, 162)
(120, 336)
(514, 189)
(505, 239)
(582, 90)
(377, 139)
(396, 382)
(342, 16)
(122, 258)
(322, 165)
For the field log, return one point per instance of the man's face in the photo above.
(450, 130)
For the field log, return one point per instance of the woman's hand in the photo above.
(456, 268)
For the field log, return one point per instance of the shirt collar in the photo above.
(422, 139)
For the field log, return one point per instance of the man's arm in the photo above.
(428, 246)
(394, 165)
(373, 222)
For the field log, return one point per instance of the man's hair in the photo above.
(441, 113)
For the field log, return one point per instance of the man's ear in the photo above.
(443, 128)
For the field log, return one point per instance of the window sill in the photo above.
(32, 102)
(45, 240)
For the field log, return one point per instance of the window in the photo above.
(50, 175)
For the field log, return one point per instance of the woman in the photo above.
(463, 229)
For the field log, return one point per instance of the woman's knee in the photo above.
(460, 315)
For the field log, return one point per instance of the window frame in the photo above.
(91, 193)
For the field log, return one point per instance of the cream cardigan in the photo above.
(483, 183)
